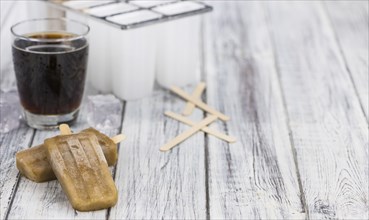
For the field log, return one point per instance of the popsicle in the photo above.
(33, 163)
(81, 168)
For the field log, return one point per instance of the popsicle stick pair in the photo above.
(65, 130)
(196, 94)
(192, 102)
(198, 103)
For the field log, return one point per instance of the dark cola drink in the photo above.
(50, 75)
(50, 59)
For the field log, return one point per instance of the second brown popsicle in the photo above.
(33, 163)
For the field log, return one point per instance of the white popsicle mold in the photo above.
(178, 54)
(150, 3)
(178, 8)
(80, 5)
(127, 61)
(99, 62)
(133, 56)
(110, 9)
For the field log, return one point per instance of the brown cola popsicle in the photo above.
(81, 168)
(33, 164)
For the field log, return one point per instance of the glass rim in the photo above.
(79, 36)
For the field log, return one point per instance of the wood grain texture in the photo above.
(48, 199)
(254, 178)
(293, 77)
(350, 21)
(10, 143)
(153, 184)
(329, 129)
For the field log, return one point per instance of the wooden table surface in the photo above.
(293, 77)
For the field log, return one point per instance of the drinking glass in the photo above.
(50, 58)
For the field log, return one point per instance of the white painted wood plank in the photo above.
(10, 143)
(48, 199)
(350, 22)
(153, 184)
(329, 129)
(254, 178)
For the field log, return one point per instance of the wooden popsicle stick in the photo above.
(208, 130)
(188, 133)
(196, 94)
(118, 138)
(199, 103)
(64, 129)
